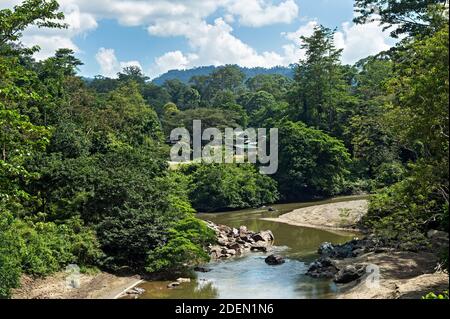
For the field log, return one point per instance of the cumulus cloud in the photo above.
(110, 65)
(360, 41)
(174, 60)
(210, 43)
(257, 13)
(356, 41)
(82, 16)
(49, 40)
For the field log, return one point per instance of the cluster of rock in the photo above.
(135, 292)
(327, 266)
(234, 242)
(178, 282)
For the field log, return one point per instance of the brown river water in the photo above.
(249, 277)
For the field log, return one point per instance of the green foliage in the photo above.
(405, 16)
(10, 263)
(321, 96)
(418, 115)
(83, 165)
(404, 211)
(227, 186)
(184, 96)
(432, 295)
(39, 13)
(184, 247)
(41, 248)
(311, 162)
(275, 84)
(210, 117)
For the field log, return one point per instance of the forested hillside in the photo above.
(83, 170)
(185, 75)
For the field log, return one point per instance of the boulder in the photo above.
(322, 268)
(234, 246)
(173, 285)
(224, 228)
(135, 291)
(265, 236)
(259, 247)
(337, 251)
(326, 249)
(348, 274)
(222, 242)
(202, 269)
(274, 260)
(183, 280)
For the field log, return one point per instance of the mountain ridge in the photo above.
(185, 75)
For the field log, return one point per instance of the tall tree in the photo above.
(321, 97)
(404, 16)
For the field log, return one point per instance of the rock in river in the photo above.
(274, 260)
(202, 269)
(173, 285)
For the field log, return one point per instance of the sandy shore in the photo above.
(337, 216)
(402, 275)
(98, 286)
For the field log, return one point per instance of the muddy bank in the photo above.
(334, 216)
(97, 286)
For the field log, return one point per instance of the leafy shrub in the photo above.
(432, 295)
(42, 248)
(184, 247)
(9, 255)
(404, 211)
(47, 247)
(388, 174)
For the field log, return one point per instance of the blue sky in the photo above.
(159, 35)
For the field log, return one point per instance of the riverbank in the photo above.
(92, 286)
(402, 275)
(368, 269)
(332, 216)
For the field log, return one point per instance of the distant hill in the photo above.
(185, 75)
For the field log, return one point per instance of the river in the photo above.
(249, 276)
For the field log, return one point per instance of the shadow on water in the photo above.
(249, 276)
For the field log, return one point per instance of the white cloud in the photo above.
(212, 44)
(110, 65)
(171, 61)
(360, 41)
(257, 13)
(49, 40)
(303, 31)
(357, 41)
(83, 15)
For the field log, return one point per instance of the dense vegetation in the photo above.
(185, 75)
(84, 176)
